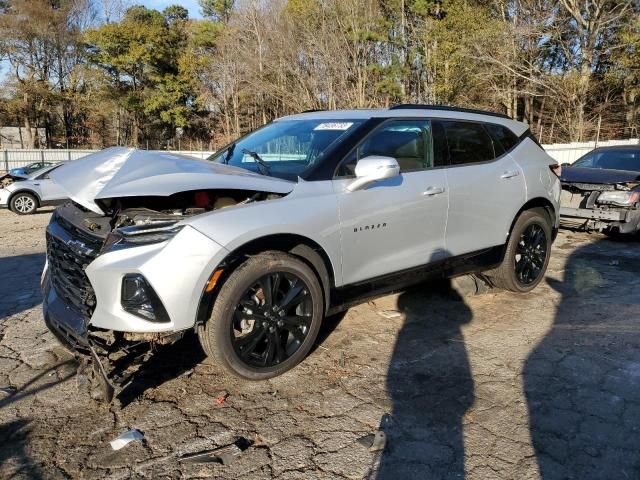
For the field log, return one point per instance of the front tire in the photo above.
(527, 254)
(24, 203)
(266, 317)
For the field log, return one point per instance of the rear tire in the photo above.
(259, 336)
(24, 203)
(527, 254)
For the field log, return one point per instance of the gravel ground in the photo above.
(544, 385)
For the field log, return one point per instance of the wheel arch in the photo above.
(537, 202)
(25, 190)
(299, 246)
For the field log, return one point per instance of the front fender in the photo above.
(310, 211)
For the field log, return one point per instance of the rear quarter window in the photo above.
(468, 142)
(502, 136)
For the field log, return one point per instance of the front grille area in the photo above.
(68, 256)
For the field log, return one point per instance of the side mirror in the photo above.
(372, 169)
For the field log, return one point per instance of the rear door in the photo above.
(49, 190)
(397, 223)
(486, 188)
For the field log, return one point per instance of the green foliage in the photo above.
(205, 34)
(627, 57)
(455, 39)
(219, 10)
(175, 13)
(148, 60)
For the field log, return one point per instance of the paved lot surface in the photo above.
(544, 385)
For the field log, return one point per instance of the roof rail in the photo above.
(446, 108)
(313, 110)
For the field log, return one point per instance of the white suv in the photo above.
(290, 223)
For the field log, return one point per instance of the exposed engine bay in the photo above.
(150, 211)
(606, 207)
(7, 179)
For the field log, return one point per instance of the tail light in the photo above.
(556, 168)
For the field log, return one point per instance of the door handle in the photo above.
(510, 173)
(429, 192)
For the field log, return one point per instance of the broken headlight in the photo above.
(141, 235)
(622, 198)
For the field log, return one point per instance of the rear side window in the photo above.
(502, 136)
(468, 143)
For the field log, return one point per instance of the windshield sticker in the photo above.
(334, 126)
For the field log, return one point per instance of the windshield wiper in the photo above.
(229, 153)
(262, 165)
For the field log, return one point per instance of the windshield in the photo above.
(611, 159)
(286, 148)
(36, 173)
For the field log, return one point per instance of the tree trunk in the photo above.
(540, 115)
(28, 133)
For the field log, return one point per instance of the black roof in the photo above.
(447, 108)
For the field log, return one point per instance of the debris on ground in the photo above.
(125, 438)
(224, 455)
(342, 360)
(470, 285)
(375, 442)
(221, 397)
(390, 313)
(379, 441)
(258, 441)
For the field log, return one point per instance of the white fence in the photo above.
(570, 152)
(562, 152)
(19, 158)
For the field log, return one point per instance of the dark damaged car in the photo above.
(601, 191)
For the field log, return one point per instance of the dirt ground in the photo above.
(544, 385)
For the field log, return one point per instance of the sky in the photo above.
(191, 5)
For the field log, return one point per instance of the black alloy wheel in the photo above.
(266, 316)
(272, 319)
(527, 252)
(531, 254)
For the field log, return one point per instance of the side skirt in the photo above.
(347, 296)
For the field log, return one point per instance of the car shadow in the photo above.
(582, 381)
(430, 385)
(166, 363)
(68, 369)
(171, 361)
(20, 288)
(14, 454)
(329, 324)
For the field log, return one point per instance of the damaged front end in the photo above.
(8, 178)
(124, 275)
(598, 207)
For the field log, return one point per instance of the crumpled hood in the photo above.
(597, 175)
(128, 172)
